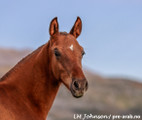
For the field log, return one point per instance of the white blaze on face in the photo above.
(71, 47)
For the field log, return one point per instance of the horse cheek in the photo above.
(55, 68)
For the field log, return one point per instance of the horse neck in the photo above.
(34, 79)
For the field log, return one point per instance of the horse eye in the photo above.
(83, 53)
(57, 53)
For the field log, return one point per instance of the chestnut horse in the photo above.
(28, 90)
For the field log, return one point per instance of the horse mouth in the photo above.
(76, 94)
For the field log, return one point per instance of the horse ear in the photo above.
(53, 27)
(76, 29)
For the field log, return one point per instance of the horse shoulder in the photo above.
(13, 108)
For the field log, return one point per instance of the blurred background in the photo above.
(111, 37)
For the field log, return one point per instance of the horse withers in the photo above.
(28, 90)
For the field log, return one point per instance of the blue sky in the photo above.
(111, 35)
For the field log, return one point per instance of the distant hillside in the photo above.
(104, 96)
(9, 57)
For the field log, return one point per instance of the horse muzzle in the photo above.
(78, 87)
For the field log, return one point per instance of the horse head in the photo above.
(66, 56)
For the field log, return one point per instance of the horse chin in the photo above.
(76, 94)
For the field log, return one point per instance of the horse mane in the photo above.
(23, 60)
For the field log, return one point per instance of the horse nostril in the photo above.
(86, 85)
(76, 85)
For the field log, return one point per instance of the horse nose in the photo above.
(78, 87)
